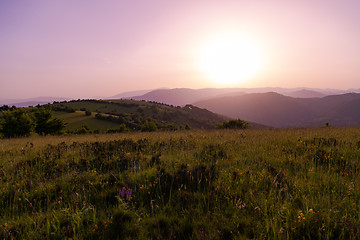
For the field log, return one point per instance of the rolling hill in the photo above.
(115, 114)
(277, 110)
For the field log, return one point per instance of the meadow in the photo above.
(196, 184)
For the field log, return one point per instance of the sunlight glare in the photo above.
(230, 59)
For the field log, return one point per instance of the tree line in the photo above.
(18, 122)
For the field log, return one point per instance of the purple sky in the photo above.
(88, 48)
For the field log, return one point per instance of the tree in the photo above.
(234, 124)
(16, 123)
(148, 126)
(4, 108)
(44, 125)
(55, 126)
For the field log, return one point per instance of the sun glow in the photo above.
(230, 59)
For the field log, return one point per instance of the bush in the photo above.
(233, 124)
(84, 129)
(16, 123)
(148, 126)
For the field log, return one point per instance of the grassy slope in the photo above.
(77, 119)
(274, 184)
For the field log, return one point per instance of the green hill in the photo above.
(132, 115)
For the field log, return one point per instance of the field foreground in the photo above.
(225, 184)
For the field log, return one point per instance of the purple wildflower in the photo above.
(126, 194)
(123, 192)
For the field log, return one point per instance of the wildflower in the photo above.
(123, 192)
(311, 210)
(126, 193)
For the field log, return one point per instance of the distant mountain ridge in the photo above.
(274, 109)
(31, 101)
(183, 96)
(129, 94)
(304, 93)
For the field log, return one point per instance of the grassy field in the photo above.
(77, 119)
(218, 184)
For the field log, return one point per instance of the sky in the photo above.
(93, 48)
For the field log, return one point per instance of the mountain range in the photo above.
(274, 109)
(183, 96)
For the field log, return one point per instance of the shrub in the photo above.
(148, 126)
(233, 124)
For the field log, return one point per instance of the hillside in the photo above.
(277, 110)
(115, 114)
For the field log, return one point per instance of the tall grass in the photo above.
(223, 184)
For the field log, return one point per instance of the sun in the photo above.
(230, 59)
